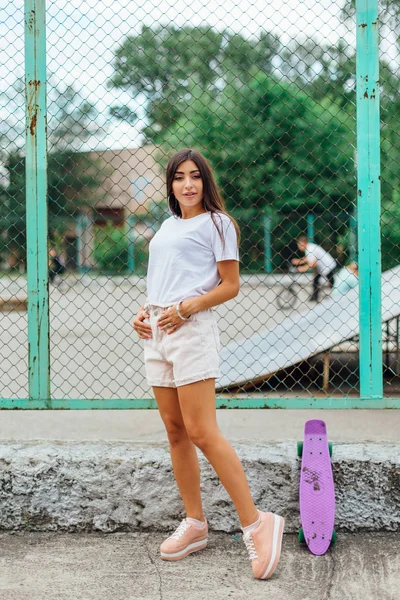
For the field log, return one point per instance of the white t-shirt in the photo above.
(325, 262)
(183, 257)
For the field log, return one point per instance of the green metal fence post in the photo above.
(368, 178)
(310, 227)
(267, 244)
(36, 201)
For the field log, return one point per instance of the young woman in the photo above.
(193, 266)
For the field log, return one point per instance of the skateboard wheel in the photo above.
(299, 448)
(330, 448)
(334, 537)
(302, 539)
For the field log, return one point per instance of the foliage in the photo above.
(390, 223)
(287, 146)
(163, 65)
(274, 149)
(111, 248)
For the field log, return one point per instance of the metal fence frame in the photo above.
(369, 239)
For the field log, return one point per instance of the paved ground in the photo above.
(127, 567)
(146, 426)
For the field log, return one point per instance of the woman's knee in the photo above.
(176, 430)
(202, 437)
(170, 413)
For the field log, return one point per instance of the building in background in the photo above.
(135, 181)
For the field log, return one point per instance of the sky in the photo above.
(82, 37)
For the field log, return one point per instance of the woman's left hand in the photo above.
(170, 321)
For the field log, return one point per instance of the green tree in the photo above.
(390, 172)
(162, 66)
(274, 148)
(322, 70)
(330, 72)
(111, 248)
(287, 145)
(12, 211)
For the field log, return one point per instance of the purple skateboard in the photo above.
(317, 491)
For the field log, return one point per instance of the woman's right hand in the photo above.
(142, 329)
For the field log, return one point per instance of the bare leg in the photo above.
(197, 402)
(184, 459)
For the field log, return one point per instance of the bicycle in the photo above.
(288, 298)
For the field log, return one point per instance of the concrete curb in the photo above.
(120, 486)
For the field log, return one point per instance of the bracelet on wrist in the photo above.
(179, 312)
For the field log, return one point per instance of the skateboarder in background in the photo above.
(319, 259)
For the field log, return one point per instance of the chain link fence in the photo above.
(267, 92)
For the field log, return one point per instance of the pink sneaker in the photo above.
(186, 539)
(264, 544)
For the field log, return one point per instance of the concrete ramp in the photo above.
(301, 335)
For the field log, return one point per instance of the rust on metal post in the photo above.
(32, 107)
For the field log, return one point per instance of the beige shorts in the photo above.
(187, 355)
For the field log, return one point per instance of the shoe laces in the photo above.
(248, 540)
(181, 530)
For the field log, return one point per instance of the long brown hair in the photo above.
(212, 199)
